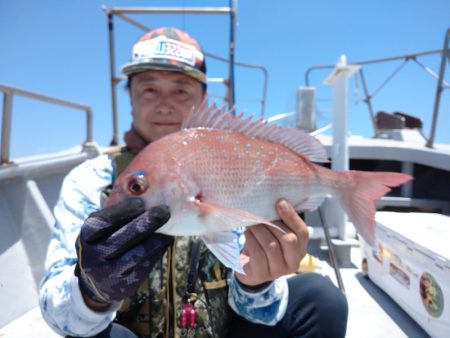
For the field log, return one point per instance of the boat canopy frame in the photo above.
(122, 12)
(441, 84)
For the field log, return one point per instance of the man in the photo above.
(106, 269)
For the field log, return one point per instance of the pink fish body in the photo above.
(231, 172)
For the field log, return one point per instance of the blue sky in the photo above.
(59, 48)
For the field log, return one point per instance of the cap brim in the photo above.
(133, 68)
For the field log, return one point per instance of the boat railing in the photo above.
(123, 13)
(29, 187)
(441, 83)
(9, 92)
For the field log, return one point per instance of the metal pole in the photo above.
(43, 98)
(263, 101)
(368, 101)
(134, 22)
(367, 62)
(340, 154)
(89, 132)
(6, 127)
(437, 99)
(331, 253)
(112, 68)
(232, 101)
(170, 10)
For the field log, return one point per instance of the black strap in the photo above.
(193, 267)
(127, 317)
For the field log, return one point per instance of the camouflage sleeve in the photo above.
(266, 306)
(61, 303)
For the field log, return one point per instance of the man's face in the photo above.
(161, 100)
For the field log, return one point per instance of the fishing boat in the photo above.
(398, 289)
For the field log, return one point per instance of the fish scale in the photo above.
(236, 180)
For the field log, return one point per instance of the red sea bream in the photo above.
(221, 172)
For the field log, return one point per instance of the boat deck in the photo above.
(372, 313)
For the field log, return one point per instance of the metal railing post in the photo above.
(114, 80)
(6, 127)
(439, 89)
(232, 98)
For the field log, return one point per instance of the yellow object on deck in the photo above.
(308, 264)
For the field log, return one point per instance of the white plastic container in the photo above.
(412, 265)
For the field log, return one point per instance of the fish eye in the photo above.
(137, 184)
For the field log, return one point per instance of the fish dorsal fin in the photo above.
(296, 140)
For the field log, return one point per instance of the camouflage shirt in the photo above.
(155, 310)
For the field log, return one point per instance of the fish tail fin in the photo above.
(359, 199)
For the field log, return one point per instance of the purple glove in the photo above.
(117, 248)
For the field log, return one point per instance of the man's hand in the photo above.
(117, 248)
(268, 253)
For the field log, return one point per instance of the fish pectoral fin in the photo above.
(224, 218)
(225, 246)
(310, 204)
